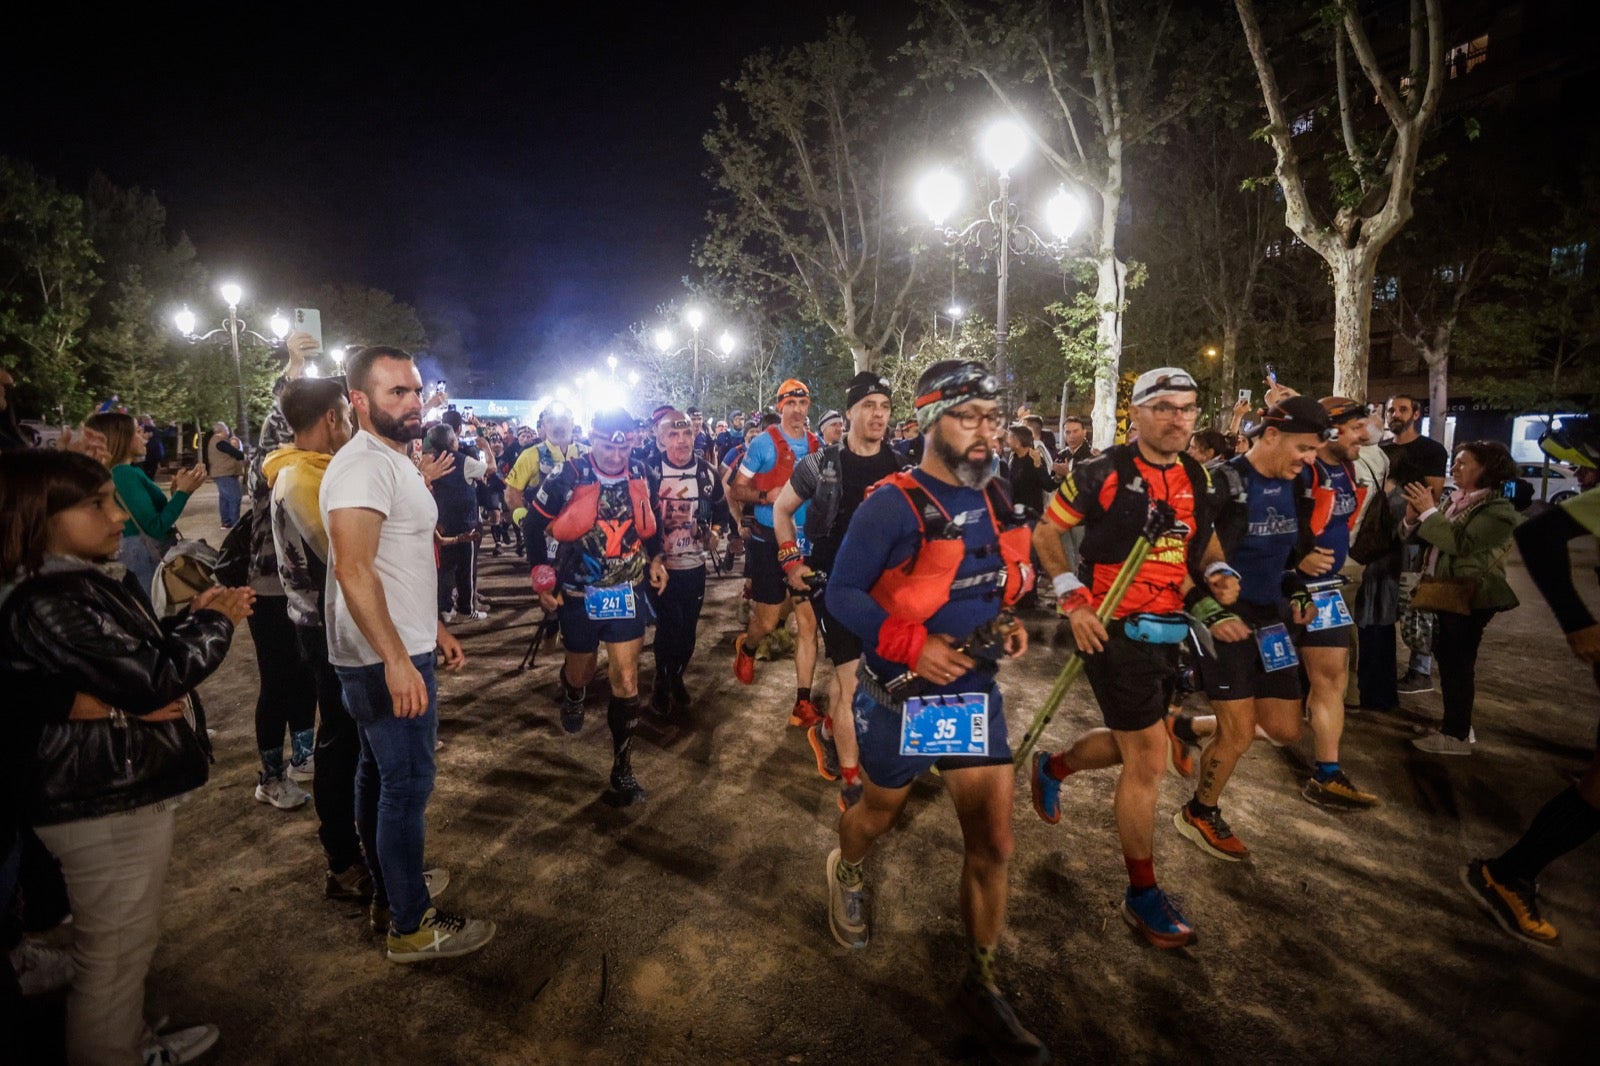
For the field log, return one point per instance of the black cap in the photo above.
(867, 383)
(613, 424)
(1297, 414)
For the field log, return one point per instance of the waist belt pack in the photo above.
(1156, 628)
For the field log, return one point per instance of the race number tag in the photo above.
(605, 604)
(803, 543)
(956, 724)
(1277, 650)
(1331, 611)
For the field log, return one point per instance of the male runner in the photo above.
(831, 428)
(683, 491)
(1330, 503)
(554, 446)
(1255, 681)
(1507, 886)
(834, 481)
(945, 520)
(1132, 663)
(597, 507)
(763, 472)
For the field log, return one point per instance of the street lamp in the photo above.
(695, 318)
(1002, 234)
(233, 325)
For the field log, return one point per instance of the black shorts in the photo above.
(1236, 673)
(1132, 681)
(839, 641)
(1337, 637)
(767, 582)
(583, 635)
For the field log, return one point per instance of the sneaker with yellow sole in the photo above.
(440, 936)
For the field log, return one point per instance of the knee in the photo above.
(992, 848)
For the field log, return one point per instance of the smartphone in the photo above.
(1508, 489)
(438, 386)
(1244, 395)
(1272, 373)
(309, 320)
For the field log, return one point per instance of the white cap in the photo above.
(1162, 381)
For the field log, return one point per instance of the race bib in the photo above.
(956, 724)
(1277, 650)
(803, 543)
(609, 603)
(1331, 611)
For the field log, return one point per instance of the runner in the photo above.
(834, 481)
(945, 519)
(1330, 503)
(1507, 886)
(597, 507)
(554, 446)
(683, 491)
(1251, 682)
(1132, 663)
(763, 472)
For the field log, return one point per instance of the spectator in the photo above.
(455, 493)
(1467, 538)
(224, 457)
(151, 527)
(84, 663)
(831, 428)
(1030, 478)
(1414, 459)
(1210, 448)
(1075, 437)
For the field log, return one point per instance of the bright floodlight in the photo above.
(938, 195)
(611, 361)
(563, 393)
(1064, 213)
(591, 377)
(726, 343)
(633, 377)
(184, 320)
(664, 340)
(313, 372)
(955, 311)
(280, 325)
(231, 294)
(695, 317)
(337, 355)
(1004, 145)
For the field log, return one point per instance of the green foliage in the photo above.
(358, 314)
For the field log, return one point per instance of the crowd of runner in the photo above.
(1252, 571)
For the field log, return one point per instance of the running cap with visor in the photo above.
(1160, 383)
(612, 425)
(792, 389)
(1297, 414)
(1343, 409)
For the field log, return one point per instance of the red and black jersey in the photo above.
(1110, 495)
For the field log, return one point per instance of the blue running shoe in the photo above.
(1046, 789)
(1150, 912)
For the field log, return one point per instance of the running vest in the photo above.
(830, 492)
(583, 506)
(917, 588)
(1107, 542)
(781, 471)
(1323, 497)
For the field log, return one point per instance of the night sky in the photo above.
(536, 180)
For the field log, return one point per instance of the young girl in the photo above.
(148, 532)
(102, 734)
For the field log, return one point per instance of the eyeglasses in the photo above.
(1167, 410)
(970, 419)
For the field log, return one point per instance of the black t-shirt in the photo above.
(1416, 461)
(857, 474)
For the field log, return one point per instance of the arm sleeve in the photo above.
(807, 476)
(74, 637)
(152, 511)
(1543, 542)
(877, 530)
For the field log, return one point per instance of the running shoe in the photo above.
(1152, 913)
(1411, 683)
(826, 751)
(847, 907)
(40, 968)
(435, 881)
(1046, 790)
(1514, 906)
(744, 665)
(1440, 743)
(805, 714)
(353, 884)
(282, 794)
(849, 796)
(440, 936)
(1180, 758)
(625, 787)
(180, 1045)
(1338, 794)
(1211, 835)
(996, 1025)
(572, 708)
(303, 771)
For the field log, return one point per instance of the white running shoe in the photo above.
(282, 794)
(180, 1045)
(41, 968)
(306, 771)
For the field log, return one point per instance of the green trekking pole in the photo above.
(1158, 521)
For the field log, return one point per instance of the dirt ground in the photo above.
(693, 928)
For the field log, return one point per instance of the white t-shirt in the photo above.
(368, 473)
(679, 518)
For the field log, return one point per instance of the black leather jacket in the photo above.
(77, 630)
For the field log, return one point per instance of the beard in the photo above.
(395, 429)
(973, 473)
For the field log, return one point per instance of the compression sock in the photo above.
(1183, 729)
(1141, 873)
(847, 873)
(1201, 810)
(622, 714)
(1056, 766)
(1326, 771)
(851, 774)
(1561, 825)
(802, 694)
(981, 964)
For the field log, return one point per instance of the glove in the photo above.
(1209, 613)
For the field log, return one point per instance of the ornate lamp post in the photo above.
(233, 325)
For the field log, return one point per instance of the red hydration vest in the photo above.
(779, 475)
(578, 517)
(917, 588)
(1323, 498)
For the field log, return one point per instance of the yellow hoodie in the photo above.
(295, 477)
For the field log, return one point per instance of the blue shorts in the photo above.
(878, 734)
(583, 635)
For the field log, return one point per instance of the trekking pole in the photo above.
(1157, 522)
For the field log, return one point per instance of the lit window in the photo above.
(1274, 249)
(1566, 261)
(1303, 123)
(1386, 289)
(1467, 56)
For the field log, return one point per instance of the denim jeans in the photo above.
(396, 762)
(228, 494)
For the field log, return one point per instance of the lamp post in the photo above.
(1002, 234)
(668, 345)
(233, 325)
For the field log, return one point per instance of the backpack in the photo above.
(232, 564)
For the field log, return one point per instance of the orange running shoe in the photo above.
(805, 714)
(1180, 760)
(744, 664)
(1211, 835)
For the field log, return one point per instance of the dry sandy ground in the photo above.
(692, 929)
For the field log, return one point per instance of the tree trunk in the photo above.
(1108, 296)
(1228, 373)
(1353, 270)
(862, 357)
(1438, 391)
